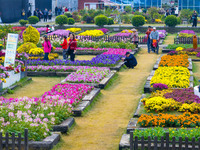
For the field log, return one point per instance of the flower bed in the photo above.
(60, 33)
(174, 46)
(40, 114)
(187, 31)
(100, 61)
(123, 34)
(174, 60)
(167, 120)
(94, 33)
(173, 77)
(169, 100)
(41, 29)
(189, 51)
(127, 31)
(159, 132)
(74, 30)
(104, 30)
(88, 75)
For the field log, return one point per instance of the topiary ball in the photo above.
(70, 21)
(171, 21)
(138, 20)
(26, 47)
(101, 20)
(31, 34)
(61, 20)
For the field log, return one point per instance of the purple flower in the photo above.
(160, 86)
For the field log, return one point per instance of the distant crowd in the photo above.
(44, 14)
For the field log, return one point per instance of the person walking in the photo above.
(194, 19)
(173, 10)
(49, 14)
(154, 36)
(72, 46)
(176, 11)
(29, 13)
(64, 47)
(35, 13)
(45, 15)
(56, 11)
(66, 10)
(23, 13)
(134, 37)
(148, 38)
(47, 48)
(167, 13)
(130, 60)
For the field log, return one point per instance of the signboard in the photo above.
(11, 48)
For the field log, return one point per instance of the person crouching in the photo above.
(130, 60)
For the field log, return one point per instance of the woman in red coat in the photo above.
(64, 47)
(72, 46)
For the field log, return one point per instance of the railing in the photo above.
(106, 38)
(163, 144)
(13, 142)
(185, 40)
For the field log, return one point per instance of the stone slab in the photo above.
(124, 142)
(131, 125)
(136, 114)
(64, 126)
(50, 74)
(46, 144)
(105, 81)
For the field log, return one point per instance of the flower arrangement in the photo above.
(179, 49)
(60, 33)
(94, 33)
(173, 77)
(187, 31)
(158, 20)
(22, 56)
(74, 30)
(123, 34)
(41, 29)
(173, 132)
(172, 53)
(18, 28)
(88, 75)
(36, 51)
(174, 60)
(166, 120)
(185, 35)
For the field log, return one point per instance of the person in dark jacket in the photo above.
(56, 11)
(72, 46)
(130, 60)
(29, 13)
(194, 19)
(64, 47)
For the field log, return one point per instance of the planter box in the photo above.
(87, 100)
(164, 50)
(50, 74)
(12, 79)
(189, 67)
(64, 126)
(118, 66)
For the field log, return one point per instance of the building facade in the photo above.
(90, 4)
(72, 5)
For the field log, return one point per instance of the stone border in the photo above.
(158, 61)
(136, 114)
(49, 73)
(100, 85)
(64, 126)
(86, 101)
(45, 144)
(117, 67)
(164, 50)
(148, 88)
(12, 87)
(124, 142)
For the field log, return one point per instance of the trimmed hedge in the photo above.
(70, 21)
(110, 21)
(23, 22)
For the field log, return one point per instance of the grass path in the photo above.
(36, 88)
(101, 128)
(169, 39)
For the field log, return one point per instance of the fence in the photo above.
(155, 144)
(11, 143)
(185, 40)
(106, 38)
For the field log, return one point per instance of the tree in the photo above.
(128, 9)
(186, 14)
(152, 11)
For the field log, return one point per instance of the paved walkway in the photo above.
(102, 127)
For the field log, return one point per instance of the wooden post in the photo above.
(131, 140)
(155, 143)
(194, 41)
(149, 143)
(1, 144)
(26, 139)
(180, 143)
(19, 141)
(13, 141)
(167, 141)
(193, 143)
(173, 143)
(142, 143)
(7, 139)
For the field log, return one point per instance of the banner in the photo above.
(11, 48)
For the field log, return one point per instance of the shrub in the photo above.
(110, 21)
(83, 12)
(101, 20)
(71, 21)
(85, 16)
(76, 17)
(157, 16)
(89, 19)
(31, 34)
(178, 20)
(23, 22)
(68, 14)
(26, 47)
(128, 9)
(152, 11)
(61, 19)
(125, 19)
(171, 21)
(33, 19)
(138, 20)
(186, 14)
